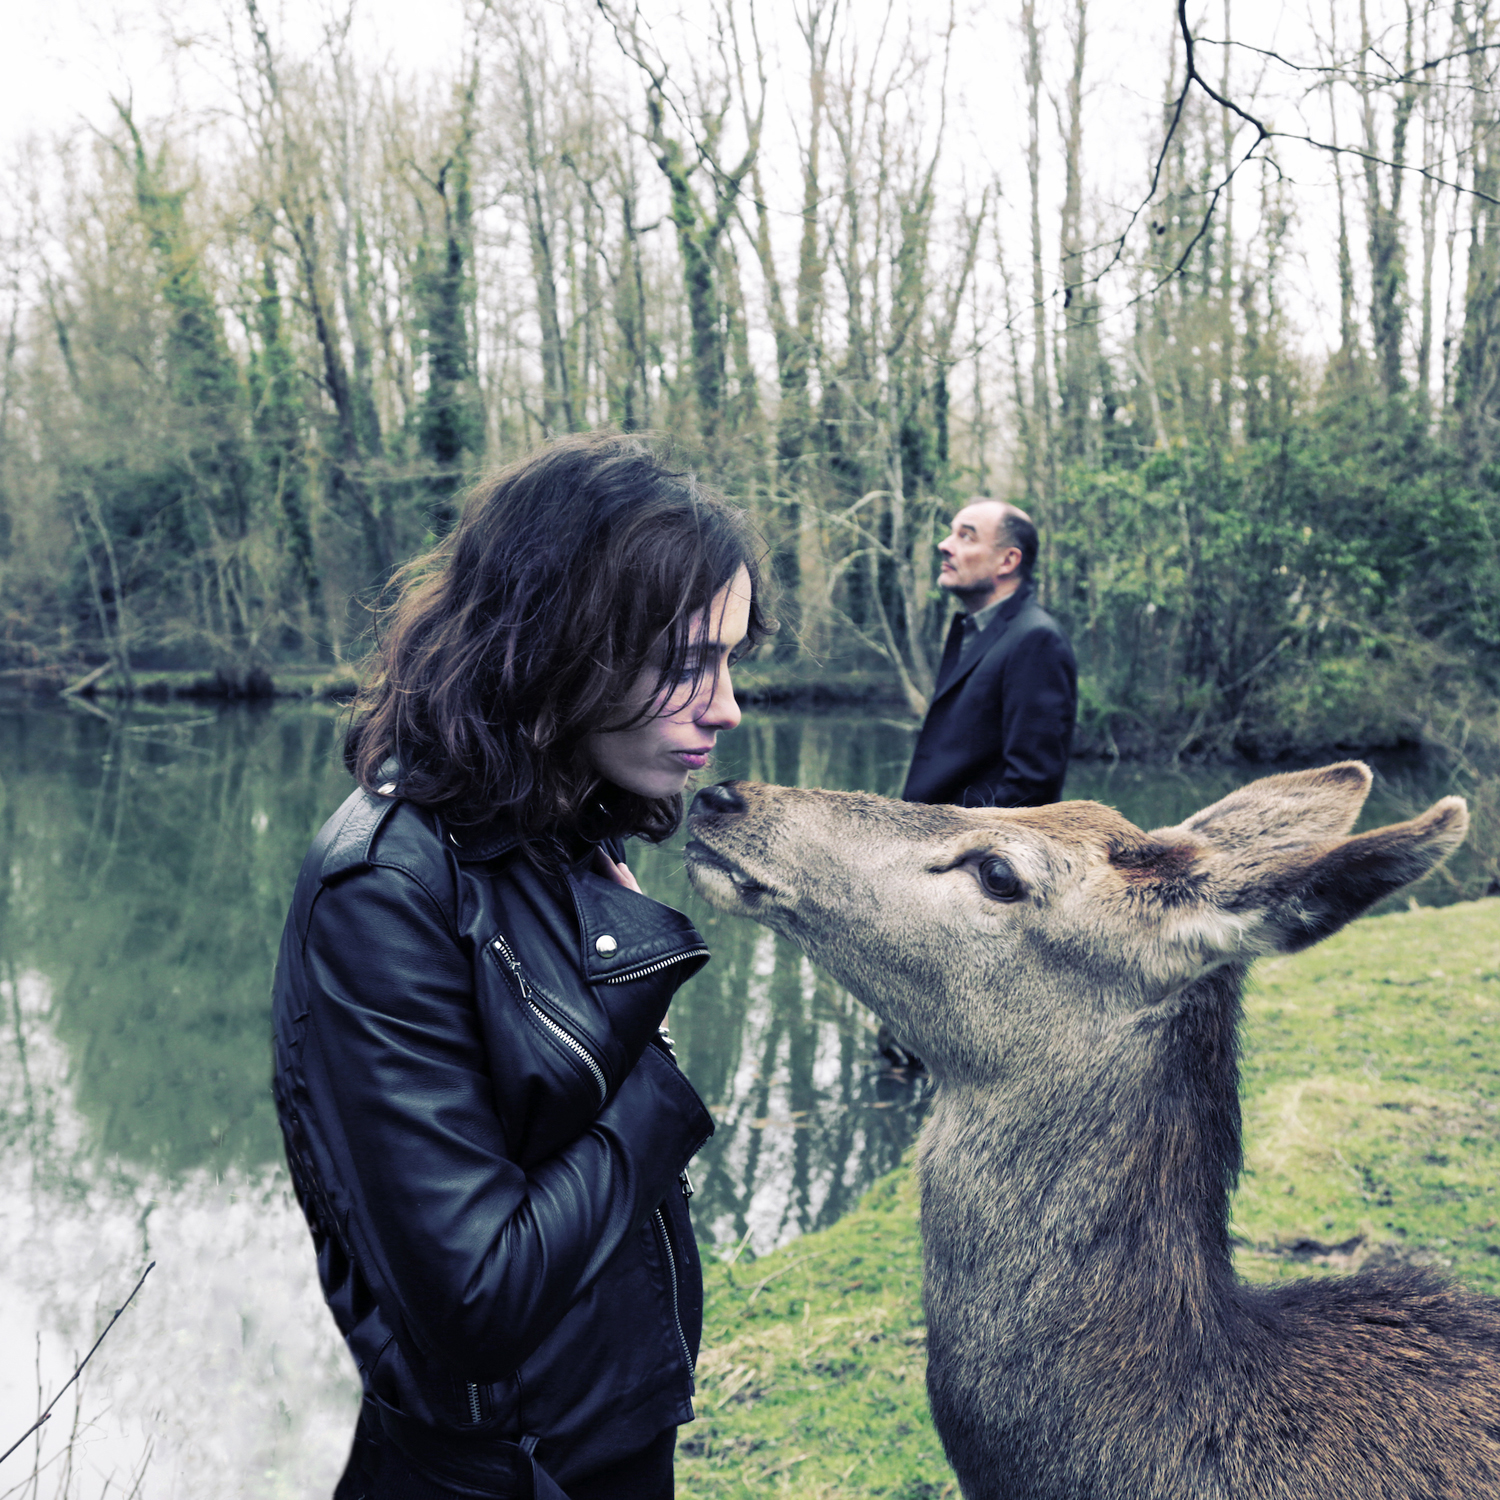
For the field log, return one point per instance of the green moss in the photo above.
(1372, 1114)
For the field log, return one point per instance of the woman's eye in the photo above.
(999, 880)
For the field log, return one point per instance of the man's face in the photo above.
(976, 560)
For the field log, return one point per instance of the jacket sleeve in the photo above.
(479, 1258)
(1038, 705)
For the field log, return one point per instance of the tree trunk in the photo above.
(1044, 480)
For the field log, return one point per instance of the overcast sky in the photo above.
(62, 59)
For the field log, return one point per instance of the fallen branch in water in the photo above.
(78, 1369)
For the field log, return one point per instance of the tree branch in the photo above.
(78, 1369)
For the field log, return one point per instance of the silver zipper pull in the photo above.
(686, 1183)
(514, 964)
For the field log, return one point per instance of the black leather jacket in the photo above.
(486, 1135)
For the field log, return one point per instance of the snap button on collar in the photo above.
(605, 946)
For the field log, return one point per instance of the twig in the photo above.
(784, 1464)
(738, 1248)
(87, 681)
(767, 1280)
(1264, 136)
(78, 1370)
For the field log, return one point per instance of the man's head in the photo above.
(988, 554)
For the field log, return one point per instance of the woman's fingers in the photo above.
(616, 872)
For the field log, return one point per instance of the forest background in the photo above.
(1222, 313)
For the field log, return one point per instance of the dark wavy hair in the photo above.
(568, 574)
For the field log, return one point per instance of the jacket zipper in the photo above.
(654, 967)
(687, 1354)
(474, 1403)
(567, 1038)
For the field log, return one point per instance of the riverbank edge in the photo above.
(793, 689)
(811, 1385)
(771, 689)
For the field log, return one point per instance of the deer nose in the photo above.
(720, 798)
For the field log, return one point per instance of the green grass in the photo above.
(1372, 1114)
(1372, 1097)
(811, 1377)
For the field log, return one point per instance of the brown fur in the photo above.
(1088, 1338)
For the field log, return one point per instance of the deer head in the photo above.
(978, 934)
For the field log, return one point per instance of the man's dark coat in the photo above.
(1000, 725)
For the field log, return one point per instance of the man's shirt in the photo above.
(974, 625)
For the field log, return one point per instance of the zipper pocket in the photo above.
(655, 967)
(666, 1244)
(565, 1037)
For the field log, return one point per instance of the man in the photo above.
(1000, 723)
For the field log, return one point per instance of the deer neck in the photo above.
(1093, 1178)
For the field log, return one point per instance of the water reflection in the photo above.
(806, 1116)
(224, 1377)
(145, 878)
(147, 863)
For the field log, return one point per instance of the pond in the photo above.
(148, 859)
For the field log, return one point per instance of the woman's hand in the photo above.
(607, 867)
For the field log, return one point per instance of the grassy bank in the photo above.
(1372, 1118)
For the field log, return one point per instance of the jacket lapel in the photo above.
(951, 648)
(990, 636)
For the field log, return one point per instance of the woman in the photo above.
(485, 1127)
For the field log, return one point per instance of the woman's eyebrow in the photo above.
(703, 648)
(697, 656)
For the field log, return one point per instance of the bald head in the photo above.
(988, 554)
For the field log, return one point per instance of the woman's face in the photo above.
(656, 756)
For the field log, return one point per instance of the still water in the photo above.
(147, 861)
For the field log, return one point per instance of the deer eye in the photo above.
(1000, 881)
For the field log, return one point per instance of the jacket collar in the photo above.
(621, 933)
(472, 846)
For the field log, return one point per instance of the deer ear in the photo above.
(1292, 902)
(1299, 807)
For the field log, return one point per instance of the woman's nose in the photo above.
(720, 711)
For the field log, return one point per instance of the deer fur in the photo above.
(1078, 1003)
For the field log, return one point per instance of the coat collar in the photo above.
(622, 934)
(472, 846)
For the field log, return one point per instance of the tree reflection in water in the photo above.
(144, 880)
(806, 1114)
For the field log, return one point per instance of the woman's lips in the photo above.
(694, 760)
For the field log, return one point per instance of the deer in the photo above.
(1074, 984)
